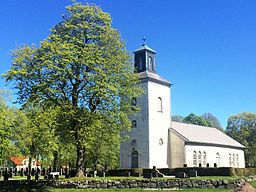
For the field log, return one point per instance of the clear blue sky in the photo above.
(207, 49)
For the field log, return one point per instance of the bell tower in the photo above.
(147, 145)
(144, 59)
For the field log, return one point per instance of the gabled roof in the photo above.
(19, 160)
(205, 135)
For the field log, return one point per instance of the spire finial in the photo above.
(144, 41)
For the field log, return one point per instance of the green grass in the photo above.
(137, 190)
(141, 178)
(253, 183)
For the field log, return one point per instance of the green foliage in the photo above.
(82, 69)
(196, 120)
(177, 118)
(36, 138)
(242, 127)
(10, 120)
(212, 120)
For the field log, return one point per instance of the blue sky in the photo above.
(206, 48)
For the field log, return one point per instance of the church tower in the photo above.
(148, 140)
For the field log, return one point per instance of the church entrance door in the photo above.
(135, 159)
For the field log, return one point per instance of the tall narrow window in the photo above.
(199, 158)
(204, 158)
(160, 105)
(230, 160)
(150, 63)
(134, 101)
(194, 159)
(218, 159)
(134, 124)
(140, 64)
(234, 159)
(237, 160)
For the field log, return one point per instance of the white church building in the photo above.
(157, 141)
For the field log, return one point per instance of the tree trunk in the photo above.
(55, 161)
(29, 165)
(80, 161)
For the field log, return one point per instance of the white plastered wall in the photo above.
(159, 122)
(211, 152)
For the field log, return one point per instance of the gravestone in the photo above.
(21, 172)
(10, 173)
(43, 172)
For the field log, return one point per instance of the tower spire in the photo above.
(144, 41)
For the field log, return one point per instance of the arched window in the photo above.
(134, 101)
(204, 158)
(229, 159)
(237, 160)
(150, 63)
(140, 64)
(159, 104)
(199, 158)
(194, 159)
(218, 159)
(135, 159)
(134, 124)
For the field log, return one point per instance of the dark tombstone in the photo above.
(15, 172)
(43, 171)
(185, 165)
(33, 172)
(26, 172)
(66, 172)
(28, 177)
(37, 175)
(38, 171)
(10, 173)
(21, 172)
(215, 164)
(6, 176)
(49, 170)
(207, 165)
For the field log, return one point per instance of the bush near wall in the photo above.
(201, 171)
(242, 171)
(125, 172)
(220, 171)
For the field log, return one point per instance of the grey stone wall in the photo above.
(146, 183)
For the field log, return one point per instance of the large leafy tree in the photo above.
(10, 120)
(196, 120)
(36, 138)
(177, 118)
(83, 68)
(242, 127)
(214, 122)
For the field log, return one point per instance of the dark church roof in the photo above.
(144, 47)
(205, 135)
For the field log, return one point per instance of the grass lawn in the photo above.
(138, 190)
(253, 183)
